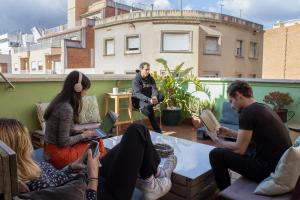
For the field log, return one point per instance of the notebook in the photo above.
(209, 121)
(107, 125)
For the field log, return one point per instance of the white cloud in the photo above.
(22, 15)
(266, 11)
(162, 4)
(188, 7)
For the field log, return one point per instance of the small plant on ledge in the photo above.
(280, 101)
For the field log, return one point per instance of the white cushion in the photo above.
(285, 177)
(40, 109)
(90, 110)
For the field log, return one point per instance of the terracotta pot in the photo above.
(196, 121)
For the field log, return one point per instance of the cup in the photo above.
(115, 90)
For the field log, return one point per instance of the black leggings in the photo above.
(134, 155)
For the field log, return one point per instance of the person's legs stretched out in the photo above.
(134, 156)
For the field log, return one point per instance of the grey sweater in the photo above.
(59, 127)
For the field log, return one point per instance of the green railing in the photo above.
(29, 90)
(218, 88)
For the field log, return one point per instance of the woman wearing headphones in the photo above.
(62, 144)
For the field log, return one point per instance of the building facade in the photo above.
(66, 47)
(281, 58)
(216, 45)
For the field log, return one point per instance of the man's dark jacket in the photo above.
(143, 89)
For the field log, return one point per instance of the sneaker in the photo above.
(154, 188)
(168, 167)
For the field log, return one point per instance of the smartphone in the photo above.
(94, 146)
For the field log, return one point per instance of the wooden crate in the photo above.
(184, 188)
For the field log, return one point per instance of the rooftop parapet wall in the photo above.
(194, 16)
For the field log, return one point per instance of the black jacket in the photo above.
(144, 88)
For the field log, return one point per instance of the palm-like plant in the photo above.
(173, 85)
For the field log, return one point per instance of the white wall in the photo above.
(150, 35)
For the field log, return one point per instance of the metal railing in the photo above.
(7, 81)
(169, 14)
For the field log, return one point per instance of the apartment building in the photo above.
(69, 46)
(7, 42)
(281, 51)
(216, 45)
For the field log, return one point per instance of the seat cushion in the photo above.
(40, 110)
(90, 110)
(229, 116)
(244, 188)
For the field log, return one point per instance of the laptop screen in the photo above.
(108, 122)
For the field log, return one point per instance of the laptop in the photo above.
(106, 126)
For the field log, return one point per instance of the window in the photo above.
(109, 47)
(212, 45)
(239, 75)
(210, 74)
(176, 42)
(34, 66)
(252, 75)
(253, 50)
(74, 38)
(40, 66)
(16, 67)
(133, 44)
(239, 48)
(108, 72)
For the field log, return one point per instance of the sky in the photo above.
(22, 15)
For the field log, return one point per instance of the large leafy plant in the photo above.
(279, 100)
(173, 84)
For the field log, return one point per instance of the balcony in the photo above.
(42, 88)
(31, 89)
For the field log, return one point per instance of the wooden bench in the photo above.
(243, 189)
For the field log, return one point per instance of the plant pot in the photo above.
(284, 113)
(196, 121)
(171, 116)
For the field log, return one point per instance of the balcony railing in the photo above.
(38, 46)
(169, 14)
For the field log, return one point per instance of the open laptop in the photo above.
(106, 126)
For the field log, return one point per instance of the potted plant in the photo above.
(280, 100)
(173, 84)
(196, 107)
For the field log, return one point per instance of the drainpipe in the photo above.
(285, 52)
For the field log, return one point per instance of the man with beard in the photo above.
(258, 125)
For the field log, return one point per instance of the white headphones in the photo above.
(78, 86)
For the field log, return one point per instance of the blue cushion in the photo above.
(38, 155)
(229, 116)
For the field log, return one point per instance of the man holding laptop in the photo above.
(258, 125)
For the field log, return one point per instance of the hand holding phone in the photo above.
(94, 146)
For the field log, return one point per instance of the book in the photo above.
(209, 121)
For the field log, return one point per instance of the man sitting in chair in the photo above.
(145, 94)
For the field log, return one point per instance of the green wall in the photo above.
(20, 103)
(218, 89)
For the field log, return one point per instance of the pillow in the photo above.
(229, 116)
(90, 110)
(285, 177)
(40, 110)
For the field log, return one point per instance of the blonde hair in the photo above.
(16, 136)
